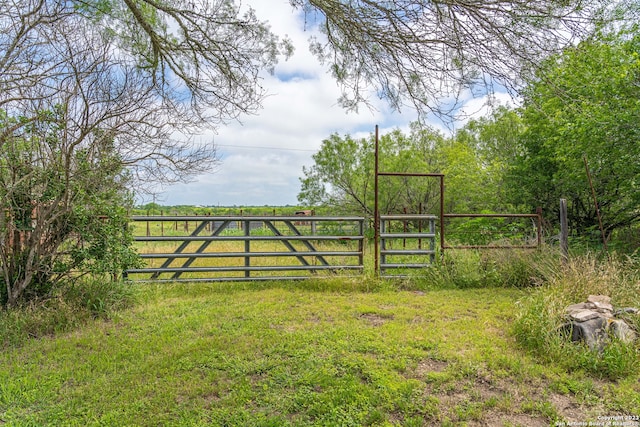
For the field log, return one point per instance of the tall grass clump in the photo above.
(464, 269)
(65, 308)
(537, 326)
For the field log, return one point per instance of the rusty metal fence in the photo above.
(522, 236)
(241, 248)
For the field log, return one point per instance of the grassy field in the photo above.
(347, 352)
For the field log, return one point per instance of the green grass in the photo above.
(322, 352)
(67, 307)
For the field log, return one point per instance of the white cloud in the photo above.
(262, 157)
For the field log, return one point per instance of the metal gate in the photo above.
(407, 242)
(241, 248)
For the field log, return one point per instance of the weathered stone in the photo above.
(584, 315)
(604, 308)
(602, 299)
(622, 331)
(577, 307)
(592, 332)
(600, 302)
(593, 322)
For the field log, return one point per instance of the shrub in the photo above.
(464, 269)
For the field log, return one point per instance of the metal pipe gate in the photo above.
(406, 242)
(241, 248)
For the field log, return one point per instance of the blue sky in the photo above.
(262, 157)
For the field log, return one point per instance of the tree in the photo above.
(343, 174)
(63, 154)
(496, 143)
(98, 95)
(426, 53)
(420, 53)
(129, 82)
(64, 209)
(196, 67)
(584, 106)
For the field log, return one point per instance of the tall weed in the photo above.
(464, 269)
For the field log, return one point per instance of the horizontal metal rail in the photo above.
(412, 255)
(261, 218)
(215, 247)
(537, 217)
(240, 238)
(243, 268)
(244, 254)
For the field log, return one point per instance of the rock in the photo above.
(601, 302)
(584, 315)
(593, 322)
(604, 299)
(622, 331)
(592, 332)
(578, 307)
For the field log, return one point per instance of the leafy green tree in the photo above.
(496, 143)
(342, 176)
(584, 106)
(64, 210)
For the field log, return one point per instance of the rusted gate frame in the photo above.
(538, 220)
(247, 254)
(443, 246)
(376, 213)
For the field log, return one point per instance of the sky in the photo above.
(263, 155)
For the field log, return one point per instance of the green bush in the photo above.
(464, 269)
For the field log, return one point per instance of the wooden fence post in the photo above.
(564, 231)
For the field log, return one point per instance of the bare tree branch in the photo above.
(424, 54)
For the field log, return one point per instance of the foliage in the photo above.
(205, 54)
(496, 143)
(467, 269)
(343, 174)
(63, 207)
(584, 109)
(426, 54)
(96, 93)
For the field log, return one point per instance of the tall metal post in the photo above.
(376, 211)
(247, 247)
(442, 247)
